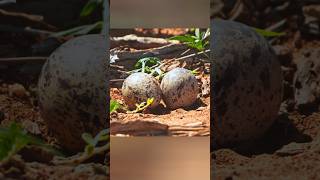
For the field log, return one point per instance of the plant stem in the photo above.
(195, 54)
(79, 158)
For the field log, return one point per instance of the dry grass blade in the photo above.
(160, 51)
(23, 18)
(23, 60)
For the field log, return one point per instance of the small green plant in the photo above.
(14, 138)
(89, 8)
(195, 72)
(142, 106)
(149, 65)
(198, 41)
(94, 145)
(114, 106)
(86, 11)
(267, 33)
(92, 142)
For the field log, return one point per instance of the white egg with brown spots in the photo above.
(179, 88)
(72, 90)
(138, 87)
(247, 87)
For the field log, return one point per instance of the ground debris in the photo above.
(18, 90)
(138, 127)
(293, 149)
(307, 78)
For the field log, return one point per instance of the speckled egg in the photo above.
(247, 86)
(72, 90)
(138, 87)
(179, 88)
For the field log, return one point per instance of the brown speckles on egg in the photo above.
(73, 90)
(179, 88)
(236, 101)
(63, 83)
(138, 87)
(264, 77)
(248, 75)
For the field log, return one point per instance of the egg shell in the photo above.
(138, 87)
(179, 88)
(72, 90)
(247, 84)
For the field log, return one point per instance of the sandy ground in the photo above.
(289, 151)
(194, 121)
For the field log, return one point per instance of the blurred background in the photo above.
(157, 14)
(160, 158)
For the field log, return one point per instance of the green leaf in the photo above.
(142, 106)
(90, 7)
(103, 132)
(150, 101)
(183, 38)
(89, 149)
(147, 64)
(88, 139)
(114, 106)
(199, 46)
(266, 33)
(102, 136)
(14, 138)
(199, 41)
(194, 72)
(147, 61)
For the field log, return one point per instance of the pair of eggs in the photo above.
(178, 88)
(246, 92)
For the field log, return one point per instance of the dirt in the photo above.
(19, 169)
(194, 121)
(288, 151)
(19, 103)
(154, 32)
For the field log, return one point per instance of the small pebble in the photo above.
(17, 90)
